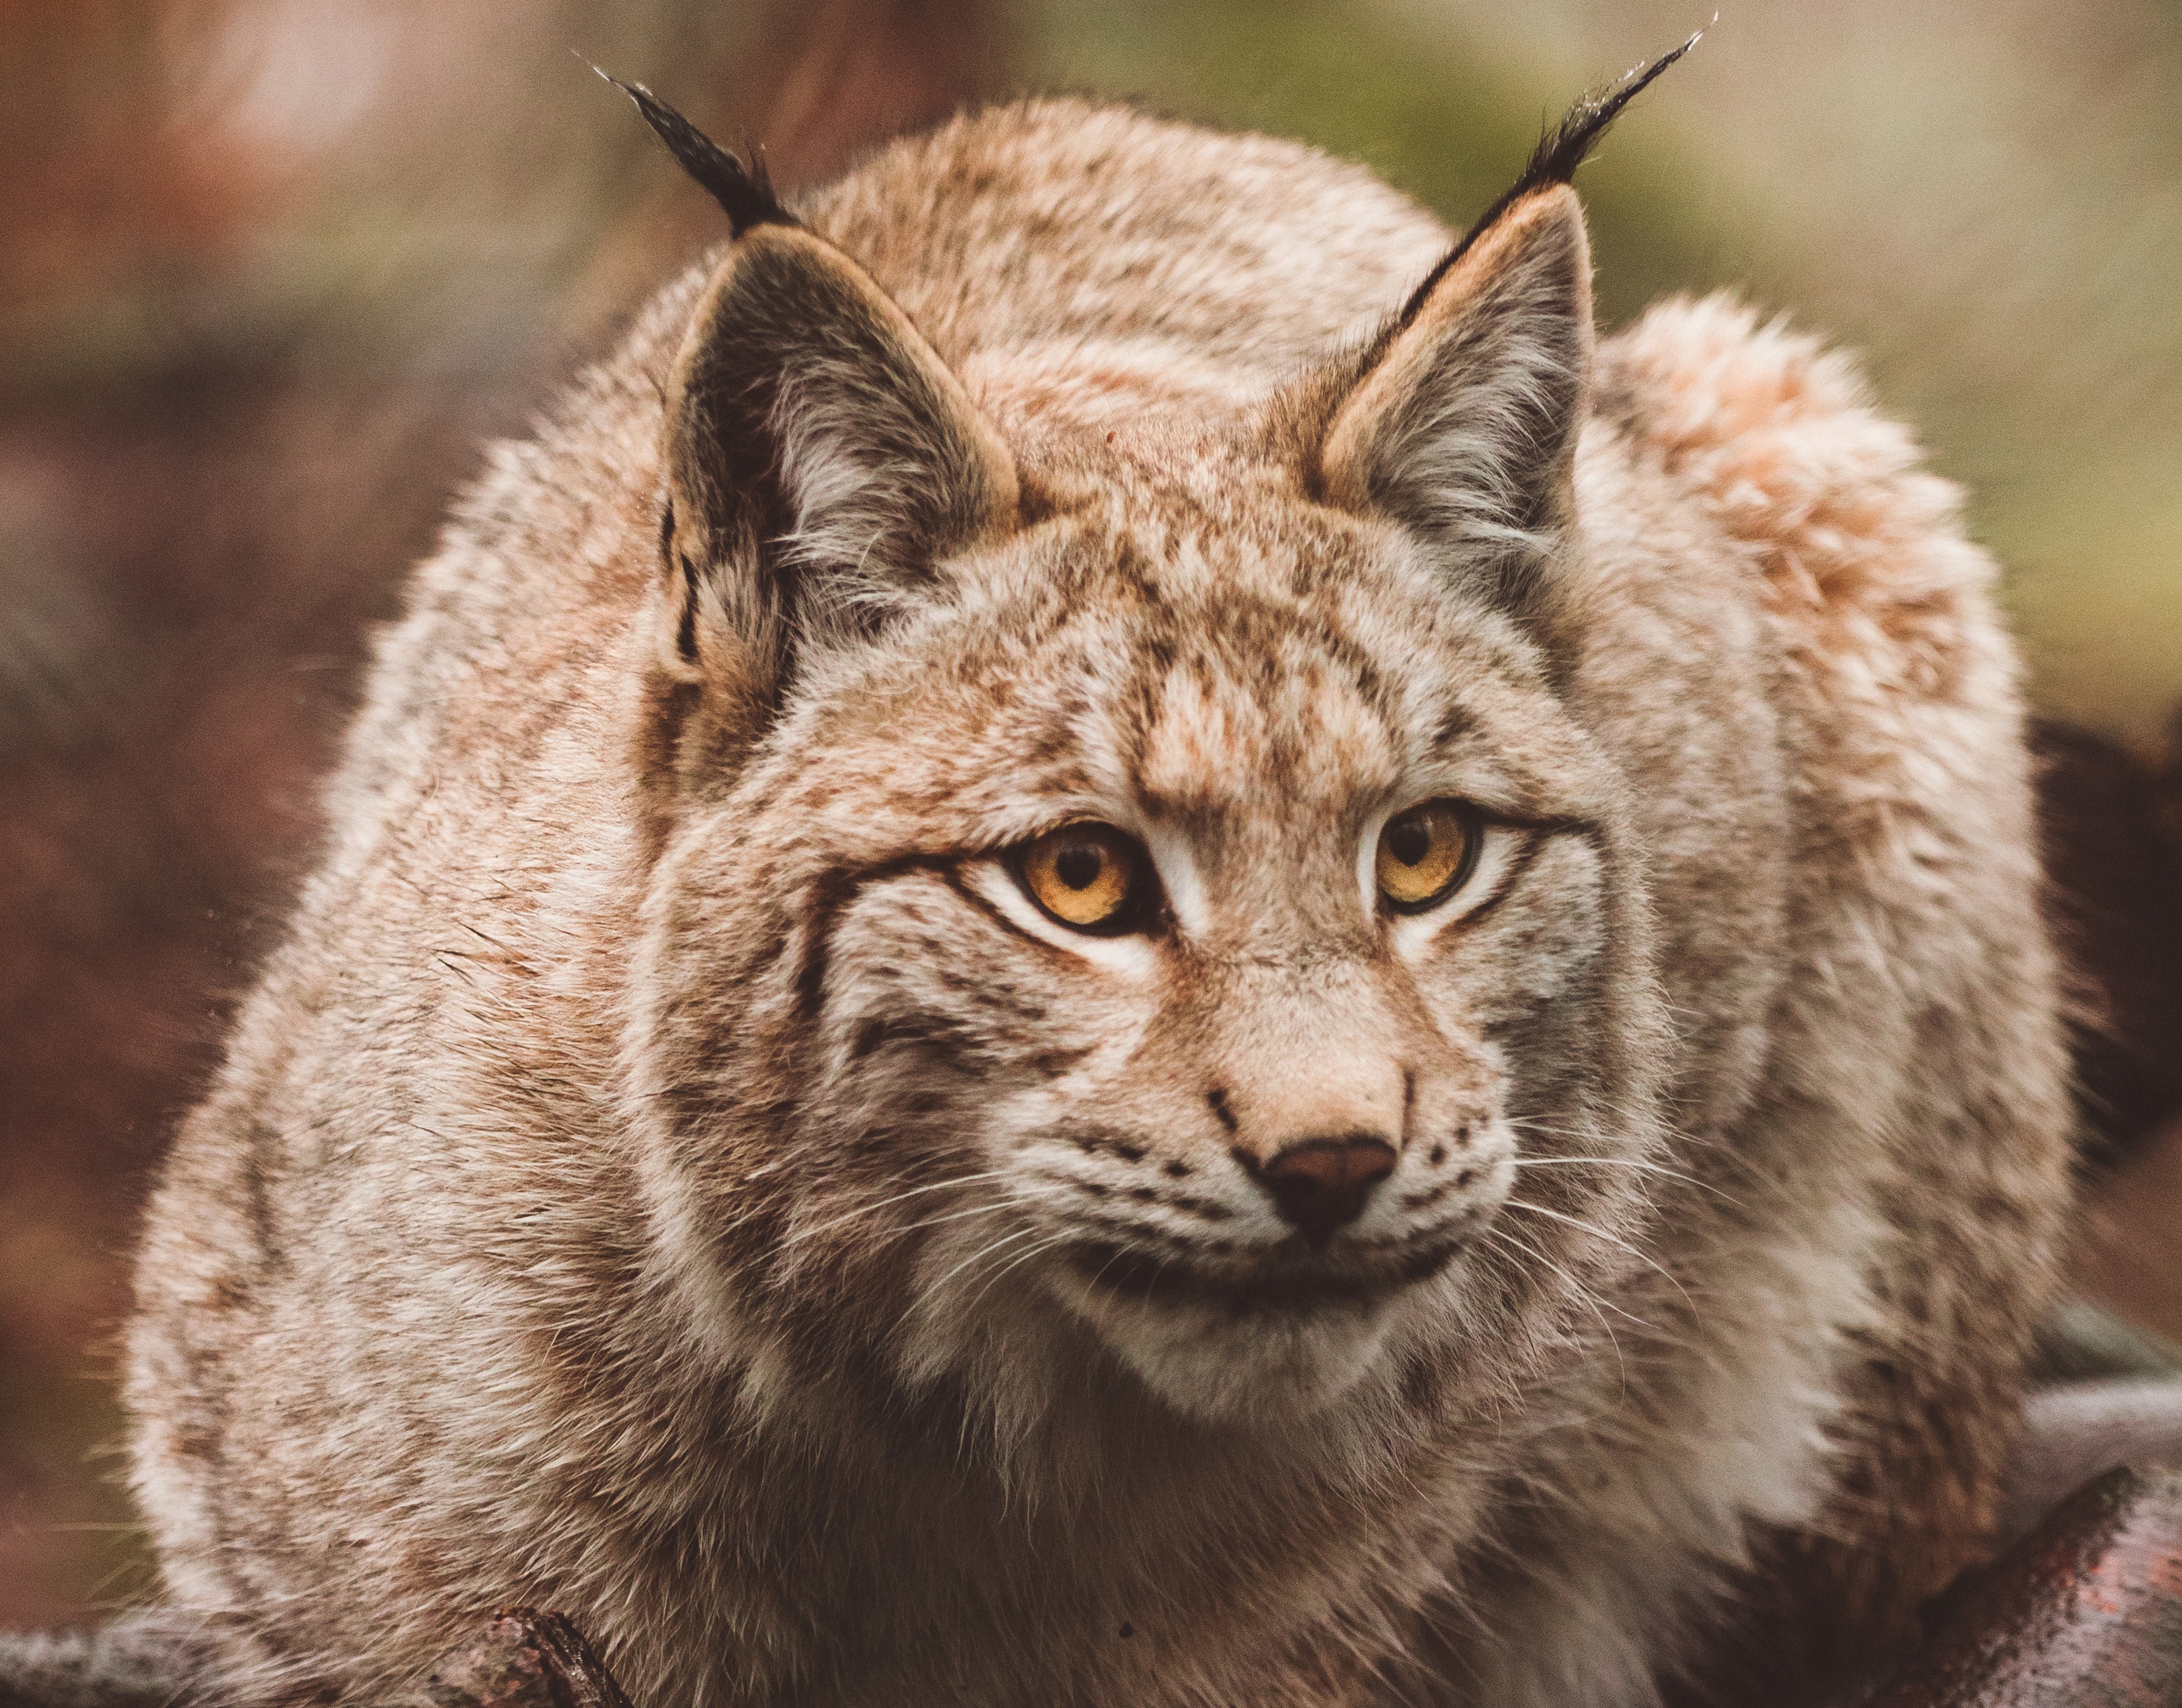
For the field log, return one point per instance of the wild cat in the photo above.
(1115, 938)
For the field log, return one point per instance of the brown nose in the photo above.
(1321, 1184)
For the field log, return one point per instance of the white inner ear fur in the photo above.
(845, 500)
(1444, 433)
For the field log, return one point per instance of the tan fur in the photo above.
(673, 1175)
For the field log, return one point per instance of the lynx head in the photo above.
(1134, 913)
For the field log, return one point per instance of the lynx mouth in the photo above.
(1152, 1277)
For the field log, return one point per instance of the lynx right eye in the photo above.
(1426, 854)
(1091, 877)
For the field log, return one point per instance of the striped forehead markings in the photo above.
(1258, 652)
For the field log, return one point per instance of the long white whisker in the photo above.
(1626, 1163)
(872, 1209)
(1597, 1233)
(1112, 1257)
(985, 1209)
(1577, 1289)
(1589, 1295)
(1021, 1257)
(979, 1256)
(1532, 1123)
(907, 1228)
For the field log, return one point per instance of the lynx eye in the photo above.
(1426, 854)
(1089, 877)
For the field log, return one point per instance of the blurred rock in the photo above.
(2085, 1612)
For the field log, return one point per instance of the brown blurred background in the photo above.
(271, 269)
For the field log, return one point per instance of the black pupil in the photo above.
(1408, 840)
(1079, 866)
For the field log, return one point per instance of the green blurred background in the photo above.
(269, 270)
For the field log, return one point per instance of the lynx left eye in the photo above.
(1426, 854)
(1091, 877)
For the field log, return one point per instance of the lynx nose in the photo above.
(1321, 1184)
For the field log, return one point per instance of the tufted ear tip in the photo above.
(1460, 420)
(745, 193)
(1559, 152)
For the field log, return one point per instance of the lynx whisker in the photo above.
(1599, 1233)
(864, 1210)
(1039, 1250)
(1577, 1292)
(1630, 1163)
(1576, 1283)
(978, 1257)
(886, 1235)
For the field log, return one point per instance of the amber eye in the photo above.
(1088, 876)
(1425, 853)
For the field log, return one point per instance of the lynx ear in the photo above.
(1463, 425)
(820, 458)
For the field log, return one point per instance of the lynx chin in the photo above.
(1117, 938)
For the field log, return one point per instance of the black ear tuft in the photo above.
(1569, 143)
(1560, 151)
(745, 193)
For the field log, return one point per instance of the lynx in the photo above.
(1118, 938)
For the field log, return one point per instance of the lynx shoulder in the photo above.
(1118, 937)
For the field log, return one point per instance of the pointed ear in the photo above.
(1463, 426)
(820, 459)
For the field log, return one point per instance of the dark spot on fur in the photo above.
(1418, 1200)
(1177, 1171)
(1127, 1151)
(1420, 1385)
(1091, 1188)
(1461, 1137)
(1217, 1100)
(257, 1156)
(1127, 1629)
(1464, 1178)
(1438, 1155)
(685, 634)
(1454, 722)
(1144, 1195)
(195, 1443)
(1054, 1062)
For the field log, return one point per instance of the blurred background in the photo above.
(270, 270)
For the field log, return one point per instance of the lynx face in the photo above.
(1169, 901)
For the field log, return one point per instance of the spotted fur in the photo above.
(673, 1173)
